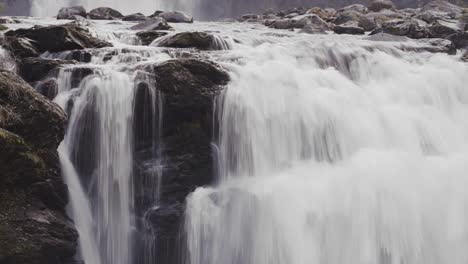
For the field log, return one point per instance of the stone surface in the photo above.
(156, 23)
(71, 12)
(351, 29)
(459, 39)
(198, 40)
(55, 39)
(104, 13)
(176, 17)
(412, 28)
(147, 37)
(34, 228)
(136, 17)
(36, 69)
(379, 5)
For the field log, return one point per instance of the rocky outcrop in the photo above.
(36, 69)
(189, 87)
(34, 228)
(147, 37)
(71, 12)
(197, 40)
(176, 17)
(28, 42)
(156, 23)
(104, 13)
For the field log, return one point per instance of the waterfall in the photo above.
(331, 152)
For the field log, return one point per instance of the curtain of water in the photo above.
(331, 153)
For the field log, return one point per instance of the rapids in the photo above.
(331, 149)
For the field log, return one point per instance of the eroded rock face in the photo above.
(36, 69)
(71, 12)
(34, 228)
(54, 39)
(104, 13)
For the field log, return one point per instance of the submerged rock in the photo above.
(104, 13)
(71, 12)
(55, 39)
(156, 23)
(198, 40)
(34, 228)
(176, 17)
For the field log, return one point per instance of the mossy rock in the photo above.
(3, 27)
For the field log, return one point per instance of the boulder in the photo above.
(3, 27)
(56, 38)
(459, 39)
(34, 228)
(21, 47)
(412, 28)
(349, 28)
(283, 23)
(431, 16)
(176, 17)
(189, 88)
(156, 23)
(104, 13)
(379, 5)
(71, 12)
(48, 88)
(310, 19)
(346, 16)
(36, 69)
(383, 16)
(367, 23)
(325, 14)
(197, 40)
(136, 17)
(442, 29)
(356, 7)
(147, 37)
(443, 6)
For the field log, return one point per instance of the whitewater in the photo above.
(331, 149)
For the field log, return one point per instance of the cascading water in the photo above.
(335, 152)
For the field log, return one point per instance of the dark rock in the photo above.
(6, 20)
(48, 88)
(21, 47)
(136, 17)
(379, 5)
(356, 7)
(465, 57)
(412, 28)
(156, 23)
(347, 16)
(310, 19)
(431, 16)
(442, 29)
(176, 17)
(366, 23)
(147, 37)
(104, 13)
(58, 38)
(34, 228)
(198, 40)
(80, 56)
(459, 39)
(443, 6)
(36, 69)
(351, 29)
(71, 12)
(250, 17)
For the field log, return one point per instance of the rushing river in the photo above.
(331, 149)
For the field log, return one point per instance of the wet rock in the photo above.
(349, 28)
(442, 29)
(136, 17)
(71, 12)
(366, 23)
(198, 40)
(325, 14)
(412, 28)
(249, 17)
(6, 20)
(21, 47)
(3, 27)
(36, 69)
(443, 6)
(284, 23)
(147, 37)
(420, 45)
(356, 7)
(80, 56)
(104, 13)
(156, 23)
(438, 45)
(383, 16)
(346, 16)
(465, 57)
(379, 5)
(48, 88)
(310, 19)
(431, 16)
(34, 228)
(176, 17)
(58, 38)
(459, 39)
